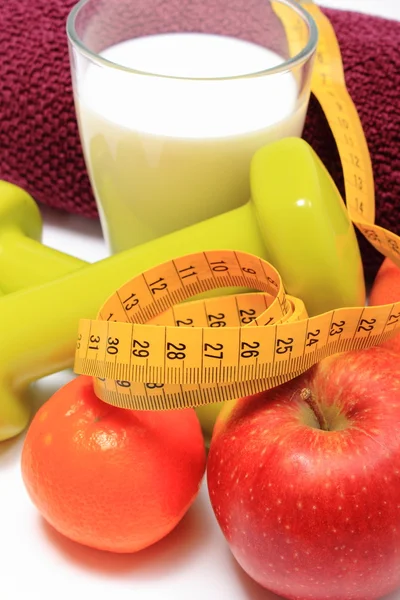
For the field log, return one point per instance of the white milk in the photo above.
(164, 153)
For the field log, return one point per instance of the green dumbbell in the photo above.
(38, 325)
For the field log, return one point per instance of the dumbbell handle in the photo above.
(26, 263)
(39, 325)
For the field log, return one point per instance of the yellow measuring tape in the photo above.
(148, 350)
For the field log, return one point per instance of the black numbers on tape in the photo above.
(394, 245)
(283, 346)
(394, 318)
(349, 141)
(337, 328)
(360, 205)
(187, 274)
(366, 325)
(219, 266)
(358, 182)
(247, 316)
(78, 343)
(128, 305)
(186, 323)
(153, 386)
(94, 339)
(140, 349)
(101, 378)
(371, 235)
(247, 270)
(312, 337)
(218, 349)
(270, 319)
(158, 286)
(176, 351)
(112, 345)
(252, 352)
(355, 160)
(272, 282)
(217, 320)
(122, 383)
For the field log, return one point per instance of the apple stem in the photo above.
(308, 397)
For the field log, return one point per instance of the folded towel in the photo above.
(39, 141)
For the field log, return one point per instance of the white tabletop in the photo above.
(193, 562)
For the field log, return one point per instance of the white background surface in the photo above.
(193, 562)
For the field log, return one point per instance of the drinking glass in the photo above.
(174, 97)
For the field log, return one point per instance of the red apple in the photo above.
(304, 480)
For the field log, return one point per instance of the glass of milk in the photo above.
(173, 97)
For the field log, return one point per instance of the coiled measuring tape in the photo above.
(149, 351)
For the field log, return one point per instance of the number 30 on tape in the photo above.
(147, 350)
